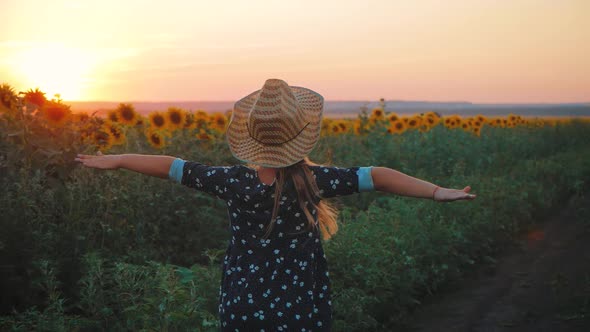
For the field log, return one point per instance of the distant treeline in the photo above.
(351, 108)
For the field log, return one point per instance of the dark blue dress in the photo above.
(280, 283)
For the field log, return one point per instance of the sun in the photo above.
(56, 69)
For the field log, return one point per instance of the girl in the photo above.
(275, 274)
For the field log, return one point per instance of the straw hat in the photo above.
(275, 126)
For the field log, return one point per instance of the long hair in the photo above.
(307, 194)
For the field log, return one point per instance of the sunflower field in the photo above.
(82, 249)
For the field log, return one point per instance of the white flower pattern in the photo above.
(281, 282)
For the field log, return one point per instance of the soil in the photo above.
(541, 284)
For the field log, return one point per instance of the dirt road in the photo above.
(543, 284)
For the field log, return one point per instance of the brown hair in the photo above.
(307, 193)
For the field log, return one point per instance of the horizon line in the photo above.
(342, 101)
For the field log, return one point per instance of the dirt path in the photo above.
(542, 285)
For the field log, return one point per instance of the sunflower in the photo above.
(8, 97)
(158, 120)
(510, 122)
(56, 113)
(398, 127)
(476, 131)
(433, 115)
(392, 117)
(431, 118)
(538, 122)
(201, 120)
(429, 121)
(497, 122)
(465, 124)
(115, 132)
(203, 135)
(218, 122)
(35, 97)
(452, 122)
(357, 127)
(477, 122)
(126, 114)
(155, 139)
(326, 124)
(113, 115)
(189, 121)
(176, 118)
(414, 122)
(482, 119)
(377, 114)
(342, 125)
(447, 122)
(103, 140)
(335, 129)
(512, 118)
(80, 117)
(141, 120)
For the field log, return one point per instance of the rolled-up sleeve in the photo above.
(338, 181)
(175, 172)
(365, 179)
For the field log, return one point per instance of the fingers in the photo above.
(85, 159)
(85, 156)
(464, 194)
(449, 195)
(82, 161)
(469, 196)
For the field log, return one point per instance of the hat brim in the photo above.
(245, 148)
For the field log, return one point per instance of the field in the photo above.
(82, 249)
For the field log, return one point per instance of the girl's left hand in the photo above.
(99, 161)
(449, 195)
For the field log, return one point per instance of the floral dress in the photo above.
(279, 283)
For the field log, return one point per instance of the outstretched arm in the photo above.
(391, 181)
(153, 165)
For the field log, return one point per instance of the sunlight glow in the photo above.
(56, 69)
(461, 50)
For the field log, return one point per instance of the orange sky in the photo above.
(482, 51)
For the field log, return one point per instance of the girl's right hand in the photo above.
(449, 195)
(99, 161)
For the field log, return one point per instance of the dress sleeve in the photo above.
(337, 181)
(210, 179)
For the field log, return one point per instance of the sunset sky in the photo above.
(483, 51)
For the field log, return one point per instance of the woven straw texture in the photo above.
(275, 126)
